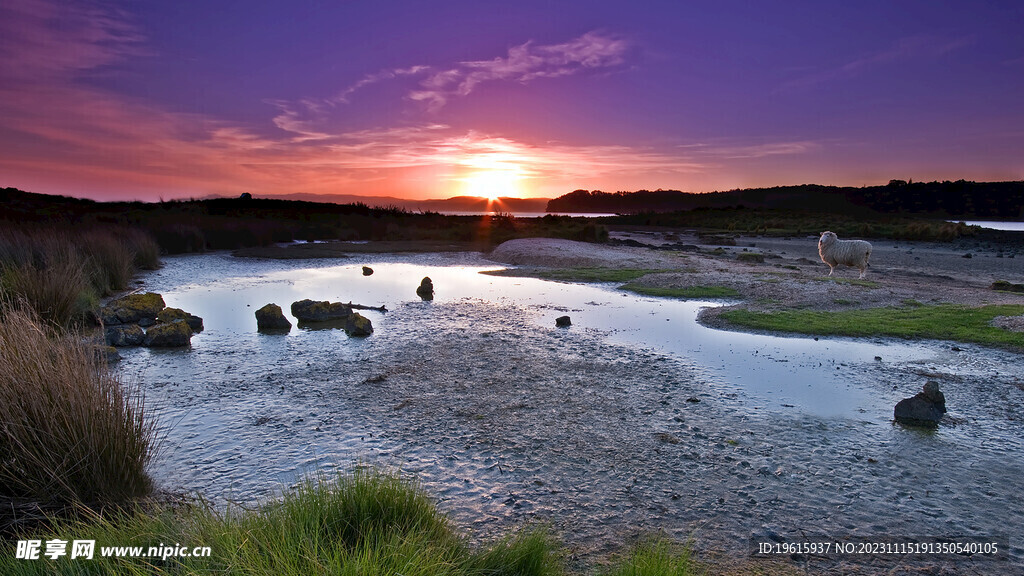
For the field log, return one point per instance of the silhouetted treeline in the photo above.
(960, 199)
(231, 223)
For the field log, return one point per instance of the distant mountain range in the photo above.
(455, 204)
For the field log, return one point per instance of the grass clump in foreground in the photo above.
(70, 432)
(364, 522)
(940, 322)
(582, 274)
(685, 292)
(656, 557)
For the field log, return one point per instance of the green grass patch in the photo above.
(656, 557)
(366, 522)
(686, 292)
(576, 274)
(940, 322)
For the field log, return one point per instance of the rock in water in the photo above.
(270, 317)
(174, 334)
(124, 335)
(367, 270)
(563, 322)
(310, 311)
(924, 409)
(133, 309)
(426, 289)
(358, 325)
(171, 314)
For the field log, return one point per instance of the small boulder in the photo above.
(426, 289)
(133, 309)
(358, 325)
(171, 314)
(312, 311)
(173, 334)
(124, 335)
(924, 409)
(270, 318)
(367, 270)
(106, 354)
(563, 322)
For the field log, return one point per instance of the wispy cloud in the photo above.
(42, 40)
(905, 49)
(524, 63)
(61, 135)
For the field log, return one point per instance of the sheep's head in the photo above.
(827, 238)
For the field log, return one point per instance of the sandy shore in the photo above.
(792, 274)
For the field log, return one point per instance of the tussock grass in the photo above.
(70, 432)
(656, 557)
(365, 522)
(62, 274)
(915, 320)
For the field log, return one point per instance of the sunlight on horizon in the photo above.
(492, 184)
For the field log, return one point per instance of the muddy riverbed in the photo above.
(634, 420)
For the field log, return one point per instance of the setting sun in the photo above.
(492, 184)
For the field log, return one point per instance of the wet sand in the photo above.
(507, 423)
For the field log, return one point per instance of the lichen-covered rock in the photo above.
(312, 311)
(924, 409)
(171, 314)
(124, 335)
(271, 318)
(563, 322)
(107, 354)
(426, 289)
(358, 325)
(173, 334)
(132, 309)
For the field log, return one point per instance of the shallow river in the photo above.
(635, 419)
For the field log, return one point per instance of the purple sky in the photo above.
(145, 99)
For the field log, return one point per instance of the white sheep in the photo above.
(852, 253)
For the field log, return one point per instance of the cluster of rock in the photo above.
(924, 409)
(270, 318)
(144, 320)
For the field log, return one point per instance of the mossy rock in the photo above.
(124, 335)
(271, 318)
(358, 325)
(752, 257)
(173, 334)
(133, 308)
(313, 311)
(1004, 286)
(172, 314)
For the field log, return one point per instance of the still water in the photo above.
(505, 417)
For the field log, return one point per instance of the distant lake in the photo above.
(1015, 226)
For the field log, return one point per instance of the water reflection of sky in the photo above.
(770, 372)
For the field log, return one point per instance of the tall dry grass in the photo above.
(64, 273)
(70, 430)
